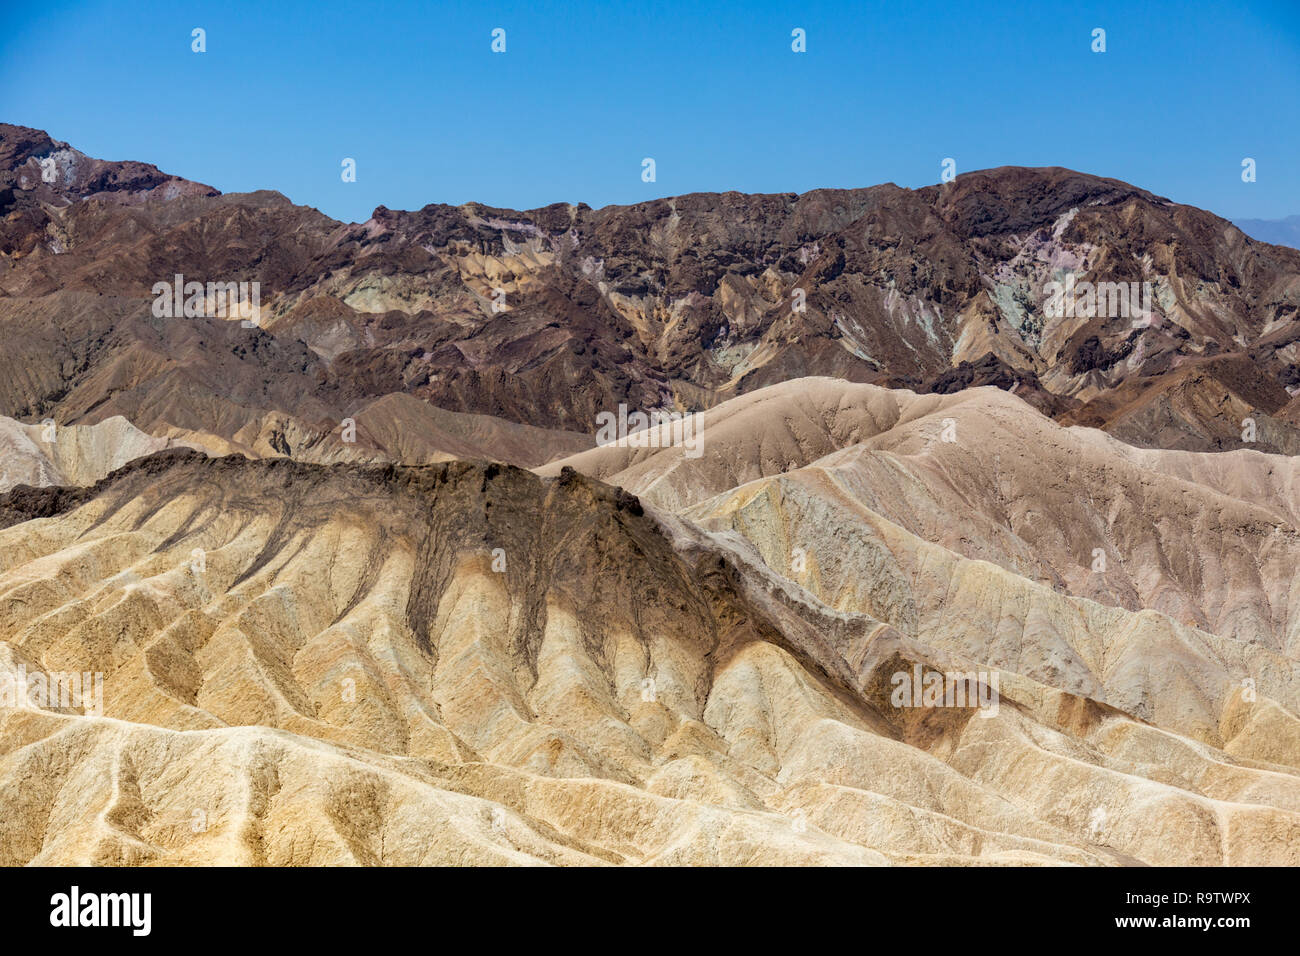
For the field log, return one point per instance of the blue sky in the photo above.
(712, 92)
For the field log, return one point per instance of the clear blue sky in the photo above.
(713, 92)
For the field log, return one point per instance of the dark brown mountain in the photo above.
(548, 316)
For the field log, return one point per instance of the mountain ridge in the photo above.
(672, 303)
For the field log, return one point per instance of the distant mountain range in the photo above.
(546, 317)
(1281, 232)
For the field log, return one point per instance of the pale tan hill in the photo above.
(40, 454)
(765, 432)
(810, 527)
(321, 665)
(1210, 540)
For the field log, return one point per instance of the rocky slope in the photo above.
(468, 663)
